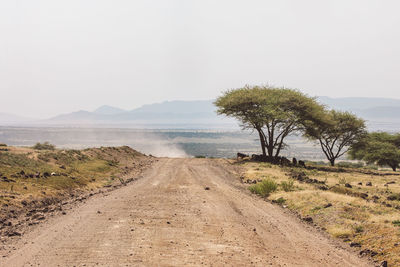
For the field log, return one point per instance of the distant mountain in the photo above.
(358, 103)
(182, 107)
(372, 109)
(202, 111)
(380, 113)
(172, 113)
(81, 116)
(108, 110)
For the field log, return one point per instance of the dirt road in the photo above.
(167, 218)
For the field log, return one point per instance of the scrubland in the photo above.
(359, 206)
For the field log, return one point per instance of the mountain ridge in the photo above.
(108, 110)
(203, 112)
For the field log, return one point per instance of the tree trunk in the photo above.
(262, 141)
(394, 168)
(271, 152)
(270, 147)
(278, 150)
(332, 161)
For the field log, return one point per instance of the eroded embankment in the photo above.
(36, 184)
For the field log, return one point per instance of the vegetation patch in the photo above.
(287, 186)
(44, 146)
(359, 206)
(264, 188)
(279, 201)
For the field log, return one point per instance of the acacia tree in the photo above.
(337, 134)
(273, 112)
(380, 148)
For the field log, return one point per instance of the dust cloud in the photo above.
(161, 149)
(148, 142)
(151, 143)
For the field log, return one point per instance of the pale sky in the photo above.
(62, 56)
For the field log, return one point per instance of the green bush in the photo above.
(44, 146)
(1, 144)
(200, 157)
(396, 223)
(264, 188)
(287, 186)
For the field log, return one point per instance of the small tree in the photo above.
(380, 148)
(337, 134)
(273, 112)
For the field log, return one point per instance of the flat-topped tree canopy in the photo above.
(274, 112)
(339, 132)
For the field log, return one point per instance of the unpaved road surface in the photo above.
(167, 218)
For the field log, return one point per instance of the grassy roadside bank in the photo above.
(34, 182)
(357, 206)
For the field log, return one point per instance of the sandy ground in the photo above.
(167, 218)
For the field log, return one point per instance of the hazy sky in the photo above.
(59, 56)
